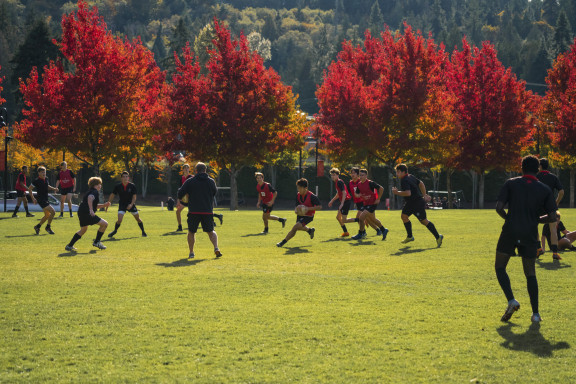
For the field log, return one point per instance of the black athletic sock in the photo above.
(554, 248)
(532, 284)
(116, 226)
(344, 228)
(408, 227)
(356, 220)
(283, 242)
(16, 209)
(75, 238)
(432, 229)
(504, 281)
(265, 229)
(98, 236)
(382, 229)
(26, 208)
(141, 225)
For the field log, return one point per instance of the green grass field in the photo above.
(317, 311)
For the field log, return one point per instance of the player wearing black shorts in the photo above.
(21, 191)
(200, 191)
(553, 182)
(87, 215)
(415, 197)
(311, 204)
(42, 188)
(266, 197)
(526, 199)
(352, 184)
(127, 194)
(343, 197)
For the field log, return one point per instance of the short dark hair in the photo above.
(94, 181)
(335, 171)
(24, 167)
(363, 170)
(544, 163)
(125, 173)
(355, 170)
(530, 164)
(302, 183)
(41, 169)
(402, 168)
(201, 168)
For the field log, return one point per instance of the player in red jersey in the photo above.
(66, 182)
(354, 180)
(370, 199)
(311, 203)
(21, 191)
(344, 199)
(266, 197)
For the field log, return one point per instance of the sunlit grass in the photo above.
(321, 310)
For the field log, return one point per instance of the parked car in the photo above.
(12, 200)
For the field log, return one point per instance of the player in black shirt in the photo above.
(87, 214)
(565, 237)
(553, 182)
(526, 199)
(127, 193)
(42, 187)
(415, 198)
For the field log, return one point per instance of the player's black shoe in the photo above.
(61, 214)
(179, 228)
(220, 217)
(111, 234)
(311, 232)
(384, 233)
(144, 234)
(217, 253)
(28, 214)
(49, 230)
(283, 221)
(37, 229)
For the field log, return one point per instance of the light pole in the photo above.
(3, 123)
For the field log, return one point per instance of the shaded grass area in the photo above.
(321, 310)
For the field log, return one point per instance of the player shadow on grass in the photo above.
(552, 265)
(74, 253)
(31, 235)
(254, 234)
(295, 250)
(358, 243)
(407, 250)
(175, 233)
(113, 239)
(181, 263)
(530, 341)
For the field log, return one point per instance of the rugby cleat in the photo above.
(220, 217)
(179, 228)
(378, 232)
(539, 252)
(30, 214)
(345, 234)
(144, 234)
(357, 236)
(556, 256)
(37, 229)
(513, 306)
(217, 253)
(111, 234)
(536, 318)
(407, 240)
(439, 240)
(99, 245)
(385, 233)
(191, 255)
(311, 232)
(283, 221)
(70, 248)
(49, 230)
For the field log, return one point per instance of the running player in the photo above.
(526, 199)
(311, 204)
(354, 180)
(87, 215)
(42, 186)
(415, 197)
(66, 181)
(21, 190)
(553, 182)
(266, 197)
(344, 199)
(127, 193)
(181, 204)
(365, 190)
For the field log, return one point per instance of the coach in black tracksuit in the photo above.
(201, 190)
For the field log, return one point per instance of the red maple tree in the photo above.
(385, 99)
(97, 104)
(493, 111)
(234, 115)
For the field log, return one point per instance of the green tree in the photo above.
(550, 11)
(562, 34)
(376, 21)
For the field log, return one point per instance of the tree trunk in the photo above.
(233, 188)
(481, 190)
(168, 172)
(474, 177)
(572, 172)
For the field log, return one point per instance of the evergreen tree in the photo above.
(376, 23)
(159, 49)
(569, 6)
(562, 34)
(270, 28)
(550, 11)
(538, 68)
(438, 19)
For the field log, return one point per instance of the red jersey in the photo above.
(266, 192)
(184, 178)
(341, 189)
(309, 200)
(21, 179)
(352, 185)
(366, 189)
(66, 178)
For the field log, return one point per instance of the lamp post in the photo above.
(3, 123)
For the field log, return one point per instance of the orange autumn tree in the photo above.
(97, 103)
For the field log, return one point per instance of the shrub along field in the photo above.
(322, 310)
